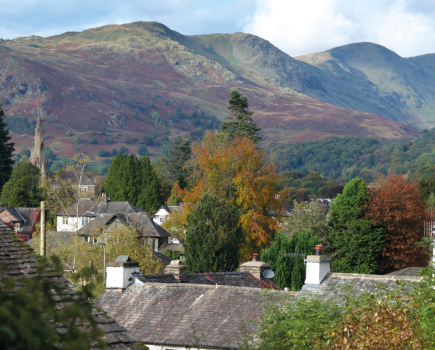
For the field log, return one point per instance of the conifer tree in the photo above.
(241, 123)
(356, 243)
(133, 179)
(6, 150)
(213, 237)
(22, 189)
(178, 155)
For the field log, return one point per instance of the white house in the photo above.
(162, 214)
(80, 214)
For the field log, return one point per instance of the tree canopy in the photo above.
(240, 124)
(133, 179)
(179, 154)
(355, 242)
(22, 189)
(213, 236)
(6, 151)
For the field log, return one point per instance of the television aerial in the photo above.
(268, 274)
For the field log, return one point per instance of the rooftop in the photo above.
(93, 208)
(19, 260)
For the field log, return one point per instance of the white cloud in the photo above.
(299, 27)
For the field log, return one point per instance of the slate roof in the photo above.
(235, 279)
(141, 221)
(75, 178)
(166, 260)
(166, 315)
(19, 261)
(27, 216)
(93, 208)
(335, 284)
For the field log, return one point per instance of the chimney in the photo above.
(120, 272)
(104, 198)
(318, 266)
(177, 269)
(255, 267)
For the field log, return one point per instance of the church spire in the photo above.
(38, 157)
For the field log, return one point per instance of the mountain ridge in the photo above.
(102, 82)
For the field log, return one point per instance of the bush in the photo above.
(151, 104)
(78, 140)
(108, 140)
(142, 150)
(123, 150)
(94, 140)
(114, 152)
(103, 153)
(68, 134)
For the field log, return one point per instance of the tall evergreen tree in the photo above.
(6, 150)
(22, 189)
(179, 154)
(241, 123)
(356, 243)
(213, 237)
(133, 179)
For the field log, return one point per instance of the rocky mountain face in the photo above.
(142, 82)
(371, 78)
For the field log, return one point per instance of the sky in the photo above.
(297, 27)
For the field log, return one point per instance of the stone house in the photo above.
(83, 212)
(23, 220)
(80, 182)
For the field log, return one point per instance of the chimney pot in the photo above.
(255, 257)
(177, 269)
(318, 248)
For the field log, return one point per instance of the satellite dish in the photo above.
(268, 274)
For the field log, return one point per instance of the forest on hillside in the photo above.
(345, 158)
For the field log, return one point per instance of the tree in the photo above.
(78, 140)
(286, 256)
(123, 150)
(6, 151)
(179, 153)
(397, 206)
(213, 237)
(236, 172)
(142, 150)
(133, 179)
(94, 140)
(355, 242)
(241, 123)
(68, 133)
(308, 217)
(22, 189)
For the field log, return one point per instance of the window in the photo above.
(86, 220)
(65, 220)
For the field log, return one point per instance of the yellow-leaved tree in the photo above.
(235, 171)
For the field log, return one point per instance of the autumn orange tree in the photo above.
(396, 204)
(235, 171)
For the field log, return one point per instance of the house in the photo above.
(163, 212)
(79, 181)
(324, 204)
(83, 212)
(23, 220)
(179, 310)
(154, 235)
(20, 261)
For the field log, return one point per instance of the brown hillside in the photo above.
(99, 83)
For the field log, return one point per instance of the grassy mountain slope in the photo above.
(108, 83)
(371, 78)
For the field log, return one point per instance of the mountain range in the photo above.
(143, 82)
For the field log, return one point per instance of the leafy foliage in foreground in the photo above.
(349, 157)
(28, 309)
(384, 320)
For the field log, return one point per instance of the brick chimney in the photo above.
(317, 267)
(119, 272)
(255, 267)
(177, 269)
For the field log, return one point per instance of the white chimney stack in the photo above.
(317, 267)
(120, 272)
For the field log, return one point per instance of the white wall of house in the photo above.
(71, 224)
(160, 217)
